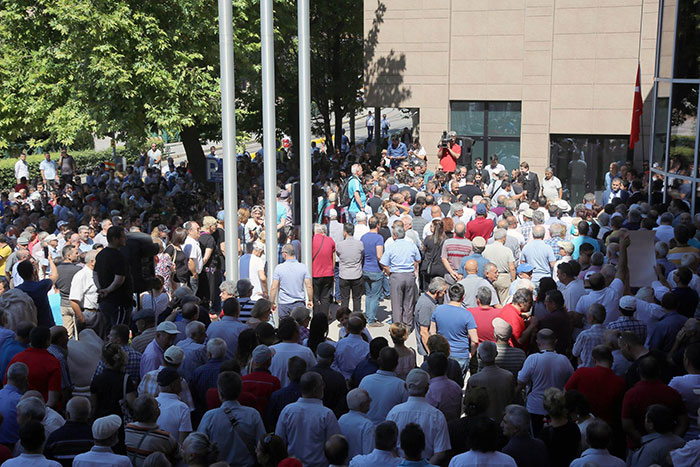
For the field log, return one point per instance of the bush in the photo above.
(83, 160)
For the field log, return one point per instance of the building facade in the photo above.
(550, 82)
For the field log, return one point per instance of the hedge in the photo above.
(83, 160)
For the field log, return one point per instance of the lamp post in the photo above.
(305, 130)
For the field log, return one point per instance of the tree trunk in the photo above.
(195, 155)
(338, 116)
(352, 126)
(325, 113)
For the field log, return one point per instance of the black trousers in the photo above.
(357, 286)
(323, 291)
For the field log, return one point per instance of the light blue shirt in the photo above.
(375, 458)
(281, 212)
(291, 275)
(305, 426)
(597, 457)
(401, 256)
(228, 329)
(417, 410)
(49, 168)
(578, 241)
(349, 351)
(195, 356)
(216, 424)
(538, 255)
(358, 429)
(280, 358)
(30, 460)
(101, 455)
(386, 391)
(9, 397)
(152, 358)
(354, 185)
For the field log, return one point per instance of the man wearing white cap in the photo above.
(152, 357)
(627, 321)
(172, 358)
(105, 433)
(417, 410)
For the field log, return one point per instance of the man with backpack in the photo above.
(352, 194)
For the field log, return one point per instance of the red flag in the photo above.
(636, 111)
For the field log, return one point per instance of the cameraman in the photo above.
(449, 152)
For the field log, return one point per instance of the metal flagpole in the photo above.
(228, 132)
(269, 146)
(305, 131)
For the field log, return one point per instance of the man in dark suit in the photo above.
(529, 181)
(479, 169)
(615, 192)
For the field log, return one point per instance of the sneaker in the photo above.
(376, 324)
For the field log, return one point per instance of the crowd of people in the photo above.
(514, 337)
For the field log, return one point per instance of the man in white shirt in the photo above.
(256, 271)
(49, 170)
(571, 287)
(417, 410)
(22, 168)
(288, 331)
(494, 167)
(193, 252)
(609, 297)
(385, 441)
(541, 371)
(598, 436)
(154, 156)
(306, 425)
(105, 432)
(83, 294)
(361, 227)
(174, 414)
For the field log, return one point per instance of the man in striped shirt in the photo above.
(245, 291)
(681, 234)
(144, 437)
(454, 249)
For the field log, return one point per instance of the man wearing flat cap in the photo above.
(105, 433)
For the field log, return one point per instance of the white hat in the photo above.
(628, 302)
(167, 327)
(104, 427)
(563, 205)
(174, 355)
(51, 238)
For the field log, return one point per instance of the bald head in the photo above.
(436, 212)
(59, 336)
(460, 228)
(471, 266)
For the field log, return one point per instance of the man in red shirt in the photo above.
(449, 155)
(322, 268)
(481, 226)
(523, 326)
(603, 388)
(44, 368)
(650, 390)
(484, 315)
(260, 382)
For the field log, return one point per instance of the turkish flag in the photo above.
(636, 111)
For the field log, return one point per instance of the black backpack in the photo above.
(344, 198)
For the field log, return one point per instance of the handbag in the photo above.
(124, 405)
(323, 239)
(236, 429)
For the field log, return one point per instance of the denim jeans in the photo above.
(351, 216)
(373, 289)
(336, 287)
(463, 364)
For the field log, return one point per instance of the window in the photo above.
(581, 161)
(494, 127)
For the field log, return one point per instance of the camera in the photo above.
(445, 140)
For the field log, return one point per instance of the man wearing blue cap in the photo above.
(524, 272)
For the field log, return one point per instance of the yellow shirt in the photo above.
(5, 252)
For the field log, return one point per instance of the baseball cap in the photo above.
(524, 268)
(479, 242)
(523, 207)
(262, 354)
(51, 238)
(167, 327)
(104, 427)
(528, 213)
(418, 379)
(144, 313)
(332, 213)
(174, 355)
(22, 240)
(481, 209)
(284, 194)
(628, 302)
(163, 228)
(563, 205)
(61, 224)
(167, 375)
(221, 215)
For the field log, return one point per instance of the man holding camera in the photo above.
(449, 152)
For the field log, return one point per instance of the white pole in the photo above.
(228, 133)
(269, 146)
(305, 131)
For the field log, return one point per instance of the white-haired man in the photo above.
(361, 227)
(355, 425)
(356, 193)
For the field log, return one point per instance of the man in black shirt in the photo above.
(470, 189)
(211, 278)
(113, 281)
(66, 270)
(529, 181)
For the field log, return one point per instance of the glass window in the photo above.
(504, 119)
(683, 129)
(668, 28)
(581, 161)
(687, 61)
(493, 126)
